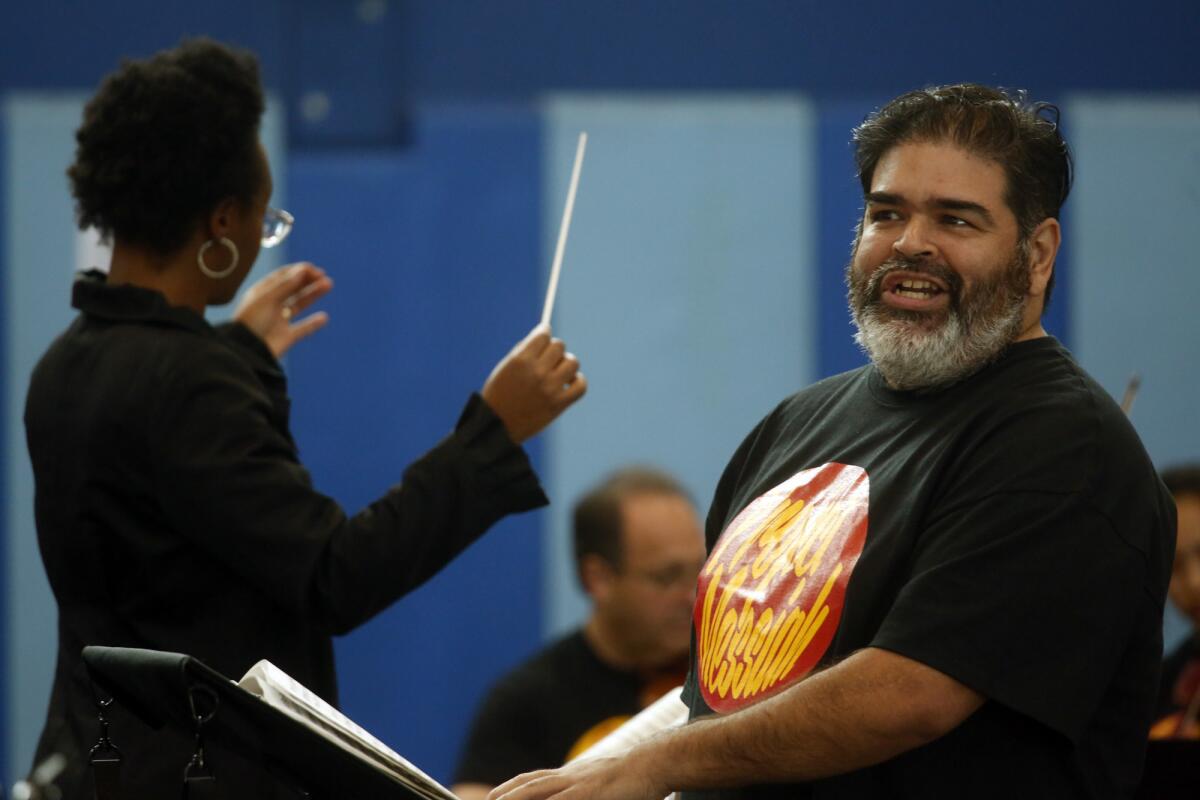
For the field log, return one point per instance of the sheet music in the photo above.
(667, 711)
(279, 690)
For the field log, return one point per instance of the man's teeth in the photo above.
(916, 288)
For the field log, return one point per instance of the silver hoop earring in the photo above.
(212, 273)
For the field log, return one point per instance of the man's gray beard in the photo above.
(977, 328)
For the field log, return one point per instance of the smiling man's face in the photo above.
(939, 279)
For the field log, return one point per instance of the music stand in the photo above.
(159, 688)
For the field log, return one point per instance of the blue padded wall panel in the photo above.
(64, 44)
(39, 259)
(838, 211)
(688, 290)
(484, 47)
(1135, 281)
(5, 599)
(435, 254)
(1133, 303)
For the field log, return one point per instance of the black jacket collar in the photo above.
(92, 295)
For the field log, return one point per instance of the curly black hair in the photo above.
(164, 140)
(1021, 136)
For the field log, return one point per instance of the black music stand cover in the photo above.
(154, 686)
(1172, 770)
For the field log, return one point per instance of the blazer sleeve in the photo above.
(229, 480)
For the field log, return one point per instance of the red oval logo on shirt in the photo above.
(771, 594)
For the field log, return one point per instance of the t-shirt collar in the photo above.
(1016, 350)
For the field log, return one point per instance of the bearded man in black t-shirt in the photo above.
(942, 574)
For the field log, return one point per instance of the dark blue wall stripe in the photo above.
(839, 206)
(372, 66)
(1057, 318)
(64, 44)
(436, 256)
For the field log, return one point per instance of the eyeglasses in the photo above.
(668, 578)
(277, 224)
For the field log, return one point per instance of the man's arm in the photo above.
(870, 707)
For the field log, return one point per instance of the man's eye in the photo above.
(884, 215)
(956, 222)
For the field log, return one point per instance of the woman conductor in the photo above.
(172, 511)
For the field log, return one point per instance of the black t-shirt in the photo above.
(551, 708)
(1008, 531)
(1178, 688)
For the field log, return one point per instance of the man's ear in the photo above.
(597, 576)
(1043, 246)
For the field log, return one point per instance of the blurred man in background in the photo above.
(638, 549)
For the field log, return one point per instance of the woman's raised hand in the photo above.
(533, 384)
(272, 306)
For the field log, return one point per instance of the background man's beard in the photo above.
(912, 350)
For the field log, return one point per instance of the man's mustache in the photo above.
(921, 266)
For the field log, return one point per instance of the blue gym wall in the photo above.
(424, 146)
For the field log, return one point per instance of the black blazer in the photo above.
(173, 514)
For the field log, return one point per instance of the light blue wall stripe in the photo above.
(5, 379)
(1134, 272)
(40, 255)
(688, 289)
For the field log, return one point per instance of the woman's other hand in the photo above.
(272, 307)
(533, 384)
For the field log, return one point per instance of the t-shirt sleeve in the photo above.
(506, 738)
(994, 602)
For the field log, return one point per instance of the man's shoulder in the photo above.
(818, 396)
(832, 385)
(1039, 423)
(1040, 385)
(1039, 364)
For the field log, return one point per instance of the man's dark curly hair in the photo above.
(164, 140)
(1020, 136)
